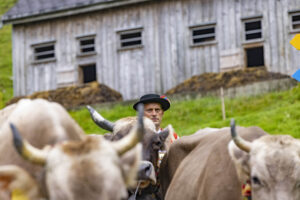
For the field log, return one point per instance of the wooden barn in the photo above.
(143, 46)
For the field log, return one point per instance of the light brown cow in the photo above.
(83, 168)
(199, 167)
(42, 123)
(90, 169)
(19, 182)
(271, 163)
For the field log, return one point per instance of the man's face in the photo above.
(154, 112)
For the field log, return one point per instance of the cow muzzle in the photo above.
(146, 173)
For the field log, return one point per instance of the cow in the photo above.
(148, 188)
(42, 123)
(270, 164)
(217, 165)
(199, 166)
(21, 184)
(86, 168)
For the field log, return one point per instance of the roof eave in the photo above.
(67, 12)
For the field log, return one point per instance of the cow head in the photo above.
(152, 142)
(270, 162)
(91, 169)
(16, 182)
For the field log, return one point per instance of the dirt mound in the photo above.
(74, 96)
(212, 81)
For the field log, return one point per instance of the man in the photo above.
(154, 108)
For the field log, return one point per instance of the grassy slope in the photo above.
(6, 91)
(276, 113)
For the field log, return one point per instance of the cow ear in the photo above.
(163, 135)
(169, 137)
(130, 164)
(241, 161)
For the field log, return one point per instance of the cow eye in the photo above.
(298, 184)
(158, 143)
(255, 180)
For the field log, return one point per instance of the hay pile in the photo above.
(212, 81)
(74, 96)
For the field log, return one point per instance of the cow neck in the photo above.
(141, 193)
(246, 190)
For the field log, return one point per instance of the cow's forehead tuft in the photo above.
(81, 147)
(278, 141)
(125, 124)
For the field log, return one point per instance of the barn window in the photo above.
(203, 34)
(87, 73)
(255, 56)
(253, 29)
(130, 38)
(44, 52)
(295, 21)
(86, 44)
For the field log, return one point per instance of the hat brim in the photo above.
(165, 105)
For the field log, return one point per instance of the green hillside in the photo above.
(6, 91)
(276, 113)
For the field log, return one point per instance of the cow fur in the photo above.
(41, 123)
(199, 167)
(90, 170)
(272, 165)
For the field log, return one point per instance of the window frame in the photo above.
(252, 19)
(79, 46)
(291, 14)
(203, 27)
(130, 31)
(41, 45)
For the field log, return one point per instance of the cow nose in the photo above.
(146, 171)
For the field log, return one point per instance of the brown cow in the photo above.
(199, 167)
(203, 163)
(90, 169)
(152, 143)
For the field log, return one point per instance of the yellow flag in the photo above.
(295, 42)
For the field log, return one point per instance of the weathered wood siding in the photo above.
(166, 57)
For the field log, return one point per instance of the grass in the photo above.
(6, 88)
(276, 113)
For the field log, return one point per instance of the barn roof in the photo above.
(34, 10)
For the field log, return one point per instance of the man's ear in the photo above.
(241, 161)
(130, 164)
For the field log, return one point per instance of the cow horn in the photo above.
(26, 150)
(99, 120)
(240, 142)
(135, 135)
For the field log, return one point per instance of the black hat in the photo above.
(154, 98)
